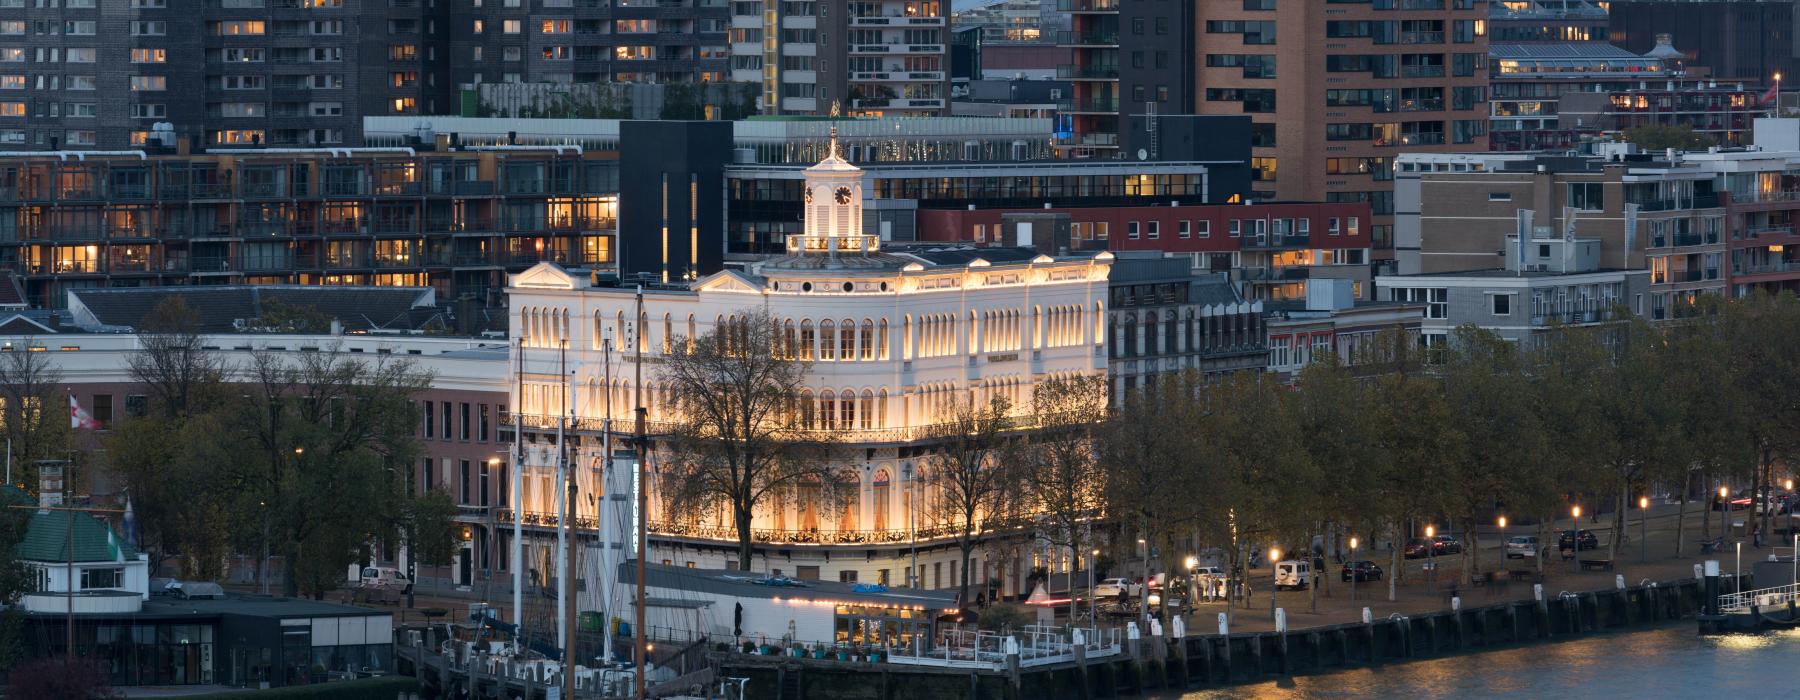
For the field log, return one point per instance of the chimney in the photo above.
(51, 475)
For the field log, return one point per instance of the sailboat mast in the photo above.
(562, 507)
(568, 570)
(639, 638)
(518, 499)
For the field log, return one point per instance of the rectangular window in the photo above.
(462, 495)
(1205, 226)
(430, 419)
(149, 28)
(103, 409)
(482, 486)
(149, 56)
(464, 434)
(80, 55)
(1587, 196)
(1502, 304)
(1184, 228)
(149, 83)
(1131, 230)
(482, 434)
(1155, 230)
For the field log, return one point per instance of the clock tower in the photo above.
(834, 208)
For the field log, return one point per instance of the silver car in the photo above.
(1522, 547)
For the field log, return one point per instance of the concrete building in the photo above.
(1550, 96)
(1559, 283)
(1331, 322)
(1698, 223)
(1334, 100)
(894, 338)
(871, 57)
(454, 220)
(1128, 61)
(1166, 318)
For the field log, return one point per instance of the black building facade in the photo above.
(672, 198)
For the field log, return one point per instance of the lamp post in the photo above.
(1093, 605)
(1430, 557)
(1737, 579)
(1354, 574)
(1192, 562)
(1274, 578)
(1724, 507)
(1644, 528)
(1575, 537)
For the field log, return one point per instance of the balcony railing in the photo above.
(1766, 268)
(1087, 5)
(1103, 105)
(1072, 72)
(1087, 38)
(1773, 231)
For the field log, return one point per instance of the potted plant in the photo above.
(842, 653)
(748, 647)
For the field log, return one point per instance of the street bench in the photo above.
(1596, 565)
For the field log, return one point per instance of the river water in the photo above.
(1667, 662)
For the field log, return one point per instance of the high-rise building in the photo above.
(304, 72)
(1128, 61)
(1749, 40)
(1337, 89)
(868, 57)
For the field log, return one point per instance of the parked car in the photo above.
(385, 578)
(1569, 537)
(1112, 587)
(1522, 547)
(1737, 502)
(1361, 570)
(1440, 545)
(1292, 574)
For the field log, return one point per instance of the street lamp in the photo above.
(1354, 574)
(1724, 507)
(1575, 537)
(1643, 528)
(1093, 605)
(1430, 556)
(1274, 578)
(1192, 563)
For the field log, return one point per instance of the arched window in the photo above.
(808, 412)
(868, 409)
(879, 494)
(881, 409)
(808, 504)
(827, 409)
(806, 340)
(866, 339)
(790, 343)
(847, 340)
(881, 340)
(847, 409)
(827, 340)
(668, 332)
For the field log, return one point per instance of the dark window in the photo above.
(849, 576)
(103, 409)
(427, 469)
(1137, 59)
(1162, 25)
(464, 435)
(463, 497)
(136, 405)
(483, 501)
(483, 435)
(430, 419)
(1137, 27)
(449, 421)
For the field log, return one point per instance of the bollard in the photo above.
(1711, 603)
(1281, 638)
(1368, 616)
(1224, 625)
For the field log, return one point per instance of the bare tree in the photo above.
(1060, 474)
(738, 442)
(972, 476)
(33, 406)
(179, 375)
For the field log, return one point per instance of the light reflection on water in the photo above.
(1671, 662)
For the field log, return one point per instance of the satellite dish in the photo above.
(1143, 154)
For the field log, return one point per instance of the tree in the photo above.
(33, 408)
(971, 476)
(738, 443)
(1149, 468)
(1658, 137)
(65, 678)
(1059, 473)
(179, 375)
(1331, 409)
(1484, 376)
(1415, 429)
(330, 436)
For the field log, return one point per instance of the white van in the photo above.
(385, 578)
(1292, 574)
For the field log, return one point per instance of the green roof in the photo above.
(46, 539)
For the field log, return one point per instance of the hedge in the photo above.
(378, 688)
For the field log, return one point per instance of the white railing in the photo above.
(1761, 597)
(1035, 646)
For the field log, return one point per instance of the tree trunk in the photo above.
(1546, 538)
(1681, 513)
(1394, 563)
(1618, 533)
(967, 545)
(742, 516)
(1471, 555)
(1706, 519)
(1768, 484)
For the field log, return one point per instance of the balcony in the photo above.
(1571, 318)
(1080, 6)
(1276, 242)
(213, 265)
(1421, 71)
(1101, 39)
(1421, 37)
(896, 48)
(895, 21)
(1769, 231)
(897, 103)
(1088, 106)
(1069, 72)
(897, 76)
(1096, 140)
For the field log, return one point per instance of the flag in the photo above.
(79, 418)
(1769, 96)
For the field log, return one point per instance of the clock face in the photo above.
(843, 195)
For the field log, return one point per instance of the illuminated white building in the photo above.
(892, 338)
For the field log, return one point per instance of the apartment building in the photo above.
(1549, 96)
(255, 73)
(1553, 21)
(1338, 89)
(865, 57)
(1128, 60)
(1699, 223)
(453, 221)
(1165, 317)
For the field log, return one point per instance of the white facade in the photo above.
(891, 338)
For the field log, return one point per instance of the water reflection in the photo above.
(1670, 662)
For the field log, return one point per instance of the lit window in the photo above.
(149, 83)
(149, 56)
